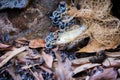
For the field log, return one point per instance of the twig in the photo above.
(32, 72)
(12, 54)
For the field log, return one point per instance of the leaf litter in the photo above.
(52, 58)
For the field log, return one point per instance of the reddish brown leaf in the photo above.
(37, 43)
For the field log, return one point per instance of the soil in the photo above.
(33, 21)
(30, 22)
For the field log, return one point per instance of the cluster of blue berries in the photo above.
(49, 40)
(56, 17)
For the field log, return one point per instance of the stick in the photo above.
(12, 54)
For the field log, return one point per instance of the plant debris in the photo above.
(37, 43)
(83, 43)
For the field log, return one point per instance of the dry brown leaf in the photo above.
(113, 54)
(63, 70)
(37, 43)
(112, 62)
(80, 61)
(106, 74)
(84, 68)
(48, 59)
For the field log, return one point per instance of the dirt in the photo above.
(30, 22)
(33, 21)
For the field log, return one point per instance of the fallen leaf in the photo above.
(63, 70)
(113, 54)
(80, 61)
(83, 68)
(48, 59)
(112, 62)
(105, 74)
(37, 43)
